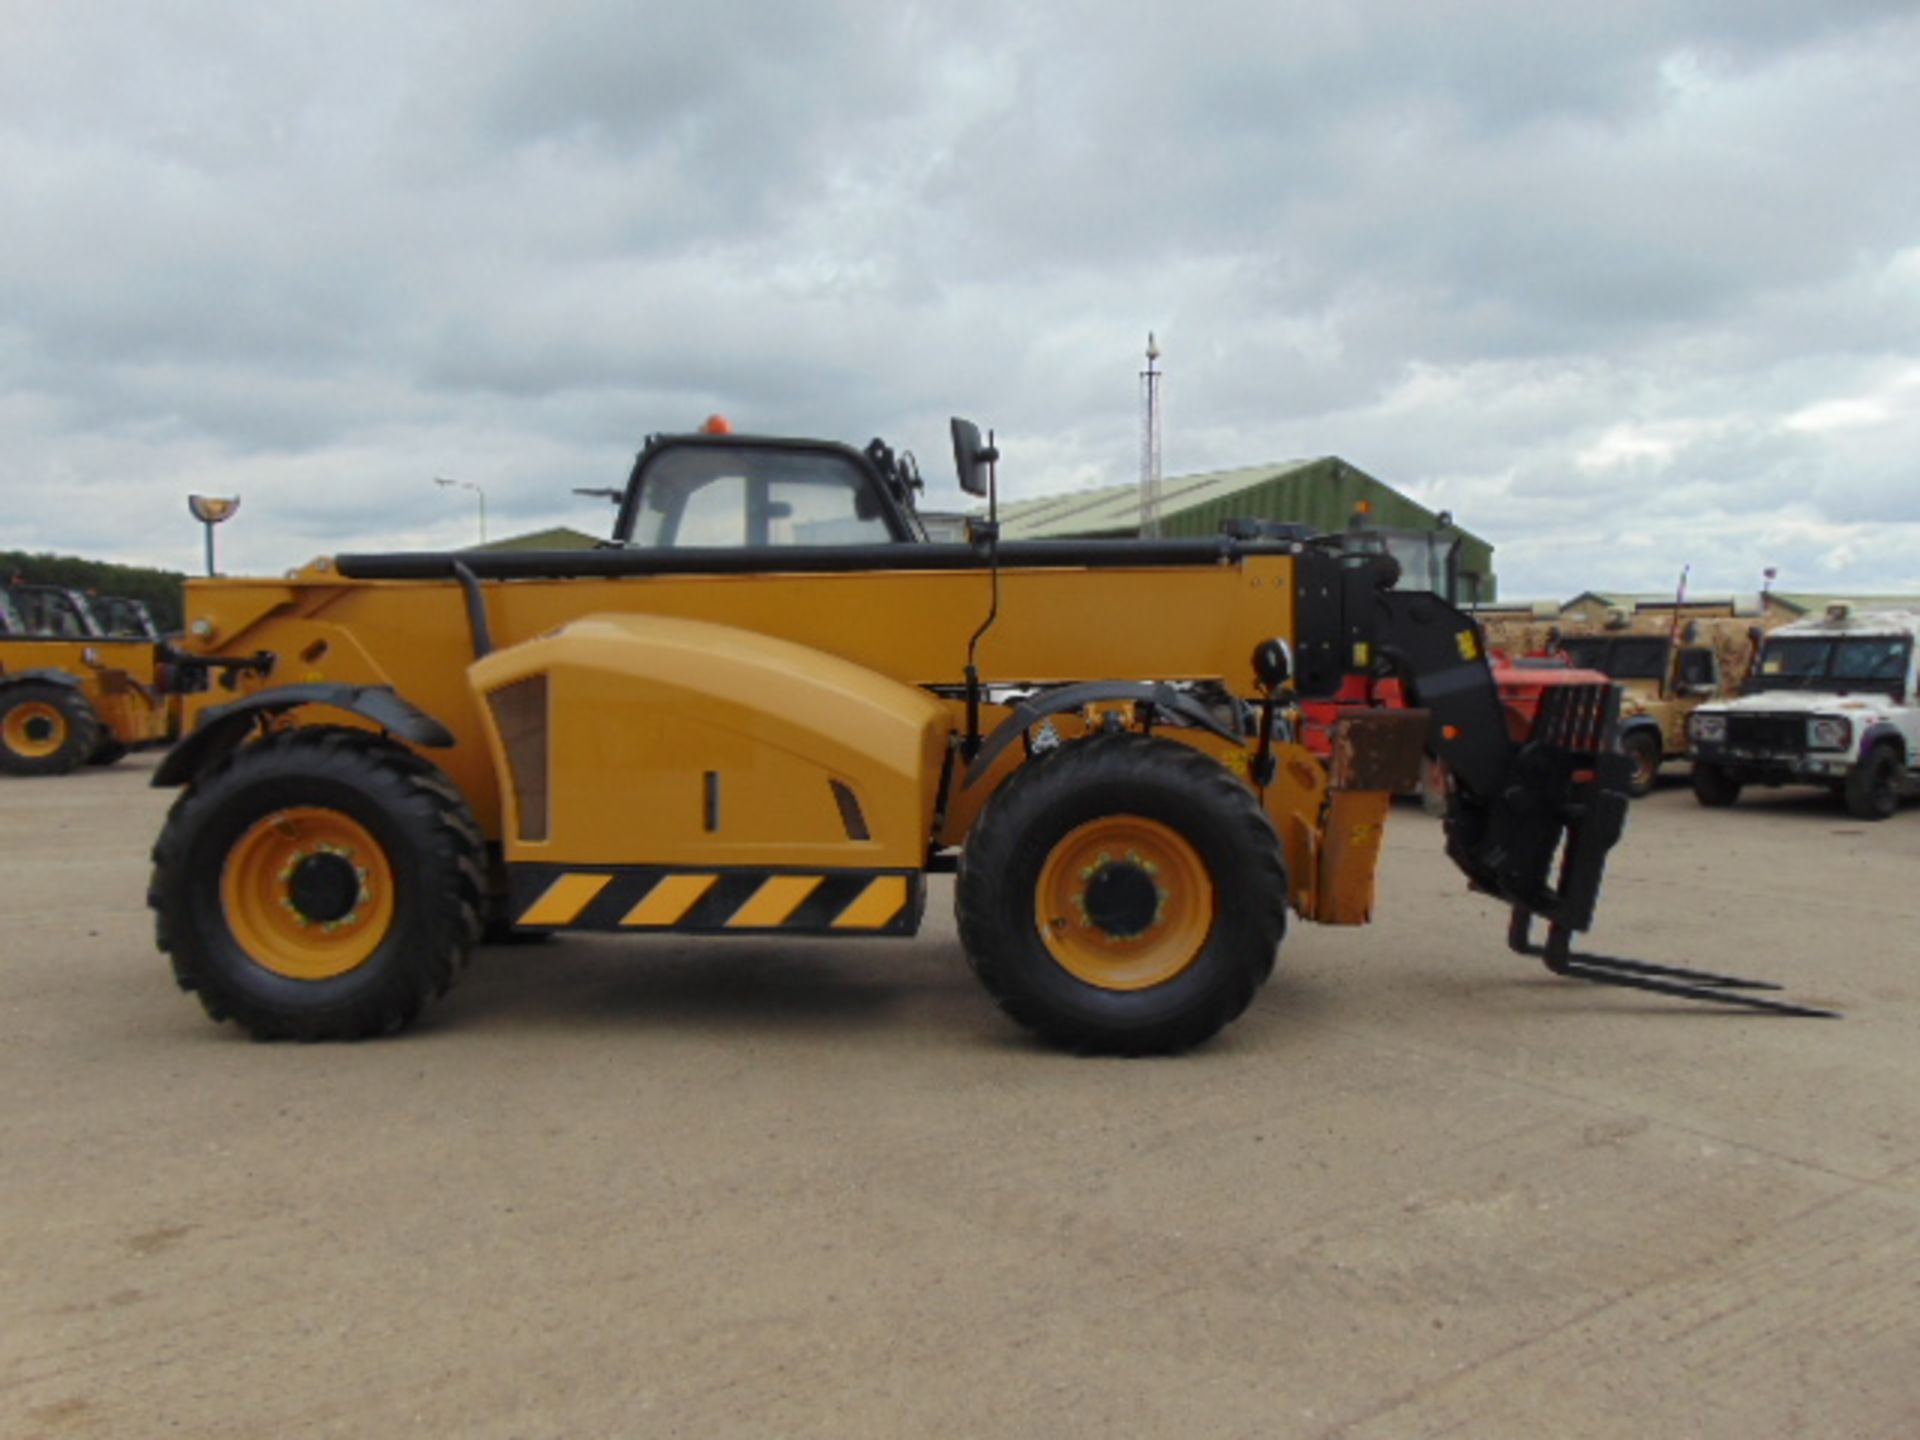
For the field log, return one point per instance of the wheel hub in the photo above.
(308, 892)
(1124, 902)
(324, 887)
(39, 729)
(1122, 898)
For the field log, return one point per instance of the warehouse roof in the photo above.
(1115, 509)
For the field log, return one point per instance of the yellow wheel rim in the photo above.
(308, 893)
(33, 729)
(1124, 903)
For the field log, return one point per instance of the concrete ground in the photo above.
(660, 1189)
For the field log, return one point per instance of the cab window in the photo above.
(722, 496)
(1638, 658)
(1699, 666)
(1870, 659)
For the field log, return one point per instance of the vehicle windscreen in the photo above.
(1622, 657)
(1423, 557)
(121, 616)
(719, 496)
(1841, 662)
(56, 612)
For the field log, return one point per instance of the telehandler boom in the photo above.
(768, 707)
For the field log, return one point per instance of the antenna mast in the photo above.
(1150, 443)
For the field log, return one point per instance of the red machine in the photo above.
(1428, 560)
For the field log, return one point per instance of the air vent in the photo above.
(520, 715)
(851, 816)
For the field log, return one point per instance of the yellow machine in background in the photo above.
(73, 691)
(769, 707)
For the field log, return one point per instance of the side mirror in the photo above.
(973, 458)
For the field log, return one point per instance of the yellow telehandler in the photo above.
(769, 707)
(74, 689)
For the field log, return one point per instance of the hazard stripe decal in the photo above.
(878, 903)
(730, 901)
(669, 901)
(565, 898)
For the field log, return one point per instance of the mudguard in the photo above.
(50, 677)
(223, 728)
(1880, 731)
(1643, 724)
(1169, 702)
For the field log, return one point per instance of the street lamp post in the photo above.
(481, 494)
(210, 510)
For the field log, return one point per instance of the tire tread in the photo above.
(982, 908)
(342, 754)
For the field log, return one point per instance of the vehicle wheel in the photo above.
(321, 884)
(1713, 785)
(1122, 895)
(45, 729)
(1436, 786)
(1873, 786)
(108, 752)
(1642, 748)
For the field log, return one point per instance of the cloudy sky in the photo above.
(1627, 287)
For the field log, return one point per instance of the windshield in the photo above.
(1423, 557)
(1840, 662)
(121, 616)
(1423, 564)
(53, 611)
(1621, 657)
(722, 496)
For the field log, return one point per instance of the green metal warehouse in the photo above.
(1322, 493)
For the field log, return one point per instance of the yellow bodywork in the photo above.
(682, 742)
(777, 684)
(116, 676)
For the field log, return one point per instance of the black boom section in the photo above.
(788, 559)
(1440, 655)
(1531, 821)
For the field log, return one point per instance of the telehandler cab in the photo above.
(767, 707)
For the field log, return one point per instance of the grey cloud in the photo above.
(1571, 273)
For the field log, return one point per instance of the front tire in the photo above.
(45, 729)
(1642, 749)
(321, 884)
(1874, 785)
(1713, 786)
(1122, 895)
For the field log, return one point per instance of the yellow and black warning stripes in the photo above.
(717, 901)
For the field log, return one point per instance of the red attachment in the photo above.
(1522, 688)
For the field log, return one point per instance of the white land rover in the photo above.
(1830, 702)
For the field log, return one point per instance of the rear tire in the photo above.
(1874, 785)
(45, 729)
(1713, 786)
(108, 752)
(321, 884)
(1122, 895)
(1642, 748)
